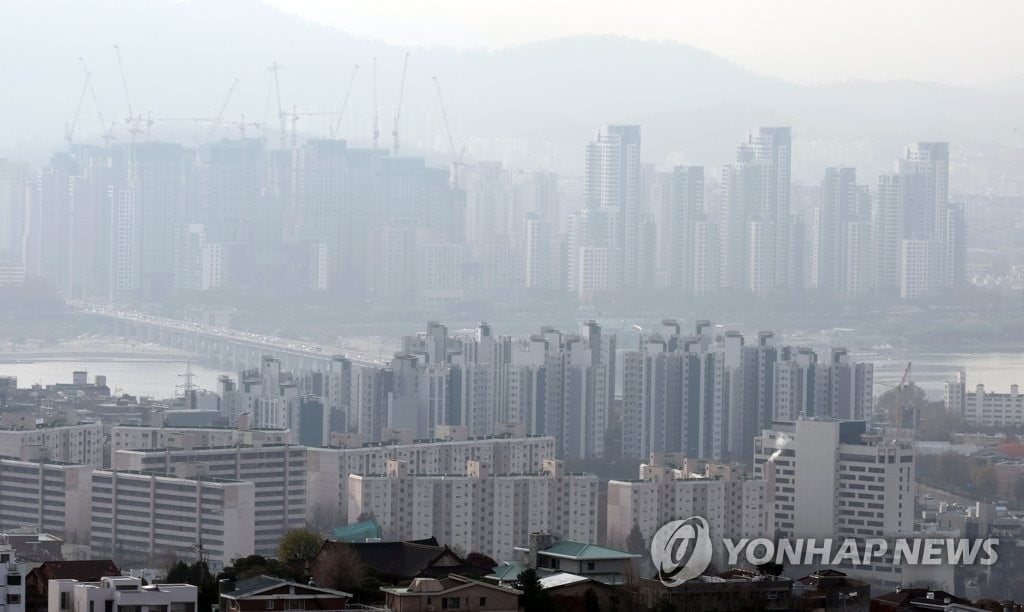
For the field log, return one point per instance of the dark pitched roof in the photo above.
(83, 571)
(399, 559)
(906, 599)
(258, 584)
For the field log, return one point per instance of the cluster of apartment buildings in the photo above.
(157, 218)
(643, 228)
(707, 394)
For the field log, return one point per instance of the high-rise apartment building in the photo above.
(139, 517)
(706, 395)
(832, 479)
(481, 509)
(52, 497)
(81, 443)
(734, 505)
(612, 182)
(276, 472)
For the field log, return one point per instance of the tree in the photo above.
(299, 545)
(534, 597)
(198, 575)
(1018, 491)
(339, 567)
(481, 560)
(770, 568)
(985, 481)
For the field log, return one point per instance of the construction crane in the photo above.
(398, 107)
(344, 105)
(133, 121)
(106, 131)
(895, 416)
(275, 68)
(223, 107)
(376, 130)
(69, 128)
(456, 158)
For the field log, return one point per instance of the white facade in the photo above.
(140, 437)
(328, 469)
(12, 582)
(81, 443)
(278, 473)
(51, 497)
(138, 517)
(116, 593)
(733, 505)
(916, 268)
(984, 408)
(479, 510)
(827, 482)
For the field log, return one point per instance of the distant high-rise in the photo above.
(612, 180)
(829, 249)
(772, 146)
(686, 206)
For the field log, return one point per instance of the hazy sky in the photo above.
(960, 42)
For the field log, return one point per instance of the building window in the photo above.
(590, 565)
(13, 579)
(13, 599)
(270, 604)
(295, 604)
(483, 601)
(449, 603)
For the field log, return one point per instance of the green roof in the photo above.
(582, 551)
(357, 532)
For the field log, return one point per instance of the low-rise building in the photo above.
(727, 591)
(120, 593)
(12, 582)
(267, 593)
(81, 571)
(452, 593)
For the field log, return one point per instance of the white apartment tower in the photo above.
(478, 510)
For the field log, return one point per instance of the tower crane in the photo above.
(220, 113)
(398, 107)
(344, 104)
(275, 68)
(69, 128)
(904, 385)
(456, 158)
(105, 130)
(133, 121)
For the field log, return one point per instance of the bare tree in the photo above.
(338, 566)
